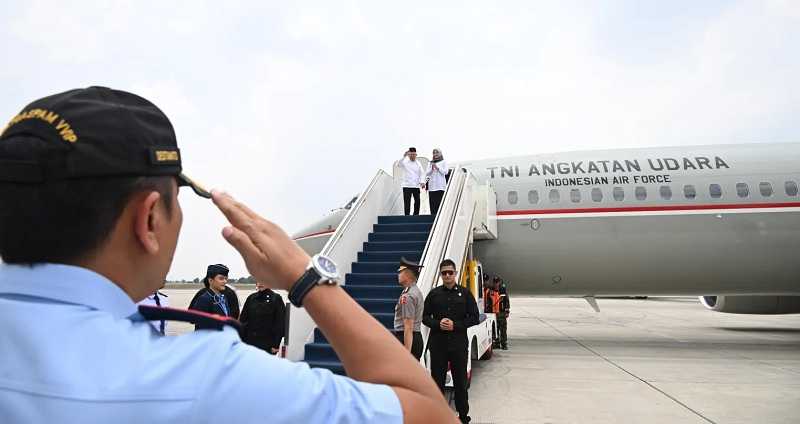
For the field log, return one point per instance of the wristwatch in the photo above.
(320, 270)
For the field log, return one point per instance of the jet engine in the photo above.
(766, 305)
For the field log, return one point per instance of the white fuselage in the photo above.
(666, 221)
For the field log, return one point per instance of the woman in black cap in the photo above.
(216, 298)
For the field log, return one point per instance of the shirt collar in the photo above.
(67, 284)
(455, 287)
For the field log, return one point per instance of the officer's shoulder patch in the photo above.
(217, 322)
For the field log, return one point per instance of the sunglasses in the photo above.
(447, 272)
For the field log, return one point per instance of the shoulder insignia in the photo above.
(217, 322)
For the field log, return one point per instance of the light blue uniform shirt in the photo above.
(70, 353)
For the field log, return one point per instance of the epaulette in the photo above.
(216, 322)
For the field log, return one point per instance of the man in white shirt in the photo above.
(413, 179)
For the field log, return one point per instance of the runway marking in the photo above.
(599, 355)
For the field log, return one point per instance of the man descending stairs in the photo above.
(373, 280)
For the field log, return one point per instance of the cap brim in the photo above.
(201, 191)
(402, 268)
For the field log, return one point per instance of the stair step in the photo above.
(415, 236)
(336, 367)
(375, 267)
(319, 337)
(373, 291)
(403, 228)
(371, 278)
(385, 318)
(320, 352)
(377, 305)
(400, 219)
(394, 257)
(391, 246)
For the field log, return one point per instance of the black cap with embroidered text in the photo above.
(93, 132)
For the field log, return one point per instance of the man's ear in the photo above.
(147, 219)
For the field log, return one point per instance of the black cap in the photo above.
(216, 269)
(90, 133)
(412, 149)
(405, 263)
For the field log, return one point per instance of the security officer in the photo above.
(449, 310)
(503, 311)
(93, 226)
(263, 318)
(216, 275)
(408, 311)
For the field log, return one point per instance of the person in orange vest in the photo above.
(491, 300)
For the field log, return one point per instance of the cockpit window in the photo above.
(351, 202)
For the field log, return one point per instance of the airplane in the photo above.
(719, 222)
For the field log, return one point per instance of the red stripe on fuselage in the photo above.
(653, 208)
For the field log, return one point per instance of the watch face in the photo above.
(326, 265)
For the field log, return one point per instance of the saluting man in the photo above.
(449, 310)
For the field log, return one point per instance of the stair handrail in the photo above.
(379, 198)
(457, 199)
(442, 225)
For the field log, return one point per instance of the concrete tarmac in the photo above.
(658, 360)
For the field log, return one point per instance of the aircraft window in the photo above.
(575, 195)
(533, 197)
(619, 194)
(597, 195)
(666, 192)
(765, 188)
(689, 191)
(742, 189)
(791, 188)
(555, 196)
(641, 193)
(715, 190)
(512, 197)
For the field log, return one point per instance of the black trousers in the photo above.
(435, 200)
(416, 343)
(457, 357)
(407, 193)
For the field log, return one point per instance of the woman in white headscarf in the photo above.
(437, 181)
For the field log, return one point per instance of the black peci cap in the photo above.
(412, 149)
(90, 133)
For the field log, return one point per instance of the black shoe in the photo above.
(504, 347)
(465, 420)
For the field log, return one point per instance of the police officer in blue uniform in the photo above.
(89, 225)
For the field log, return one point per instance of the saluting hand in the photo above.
(268, 252)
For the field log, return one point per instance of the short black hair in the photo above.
(447, 262)
(64, 221)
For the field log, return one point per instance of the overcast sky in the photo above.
(292, 108)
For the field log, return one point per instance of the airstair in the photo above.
(374, 235)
